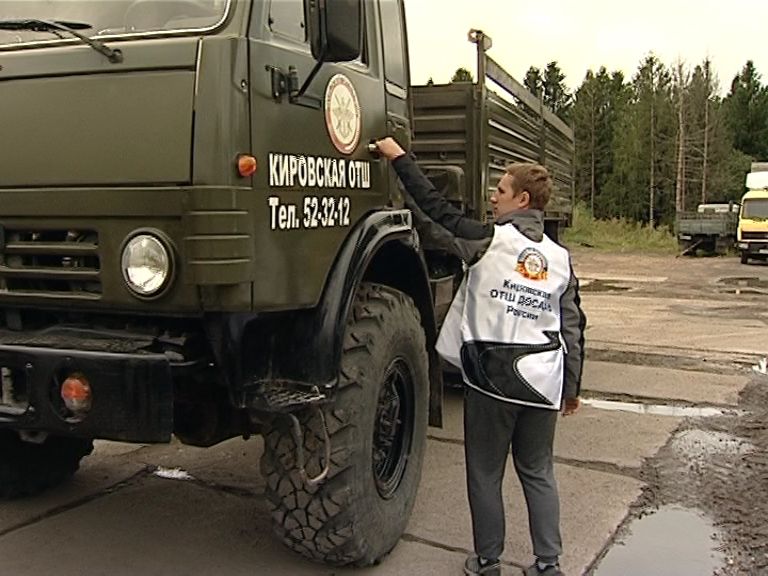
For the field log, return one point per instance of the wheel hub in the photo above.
(394, 428)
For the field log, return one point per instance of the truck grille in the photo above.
(754, 235)
(52, 263)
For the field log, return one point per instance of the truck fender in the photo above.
(302, 349)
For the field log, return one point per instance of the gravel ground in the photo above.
(720, 465)
(738, 493)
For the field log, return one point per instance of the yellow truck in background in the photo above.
(752, 233)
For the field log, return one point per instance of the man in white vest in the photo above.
(516, 331)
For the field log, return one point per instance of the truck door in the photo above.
(316, 176)
(396, 77)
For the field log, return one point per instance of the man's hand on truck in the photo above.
(389, 148)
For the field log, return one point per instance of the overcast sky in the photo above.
(586, 34)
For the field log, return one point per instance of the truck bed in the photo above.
(480, 132)
(703, 224)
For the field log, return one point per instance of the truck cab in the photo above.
(197, 241)
(753, 219)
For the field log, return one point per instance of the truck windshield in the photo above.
(106, 18)
(755, 209)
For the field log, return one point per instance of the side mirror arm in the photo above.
(288, 83)
(296, 95)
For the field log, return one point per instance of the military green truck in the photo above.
(197, 239)
(711, 228)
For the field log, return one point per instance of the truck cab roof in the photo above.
(761, 194)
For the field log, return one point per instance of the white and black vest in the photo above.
(503, 327)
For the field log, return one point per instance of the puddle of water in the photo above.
(743, 285)
(751, 282)
(740, 291)
(614, 278)
(658, 409)
(173, 474)
(673, 541)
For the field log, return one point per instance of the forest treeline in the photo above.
(661, 141)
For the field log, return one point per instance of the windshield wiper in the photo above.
(36, 25)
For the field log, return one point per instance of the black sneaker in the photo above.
(534, 570)
(472, 566)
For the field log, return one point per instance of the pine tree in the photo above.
(641, 184)
(462, 75)
(555, 92)
(709, 168)
(534, 82)
(586, 111)
(597, 105)
(550, 89)
(681, 86)
(746, 109)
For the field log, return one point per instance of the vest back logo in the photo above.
(342, 114)
(532, 264)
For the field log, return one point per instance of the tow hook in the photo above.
(278, 398)
(298, 439)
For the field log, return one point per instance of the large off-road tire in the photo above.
(27, 468)
(377, 426)
(744, 257)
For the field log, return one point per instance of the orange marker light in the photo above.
(76, 393)
(246, 165)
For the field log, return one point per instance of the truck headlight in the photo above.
(147, 264)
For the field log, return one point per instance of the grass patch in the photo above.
(617, 235)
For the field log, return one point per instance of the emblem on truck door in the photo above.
(342, 114)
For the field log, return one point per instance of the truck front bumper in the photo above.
(754, 248)
(131, 394)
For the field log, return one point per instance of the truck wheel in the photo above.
(744, 257)
(27, 468)
(377, 428)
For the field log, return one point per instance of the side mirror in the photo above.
(335, 32)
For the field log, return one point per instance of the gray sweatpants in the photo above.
(490, 427)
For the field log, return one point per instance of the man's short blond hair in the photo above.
(533, 178)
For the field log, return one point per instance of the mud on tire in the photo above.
(377, 425)
(27, 469)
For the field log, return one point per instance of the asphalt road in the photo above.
(674, 332)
